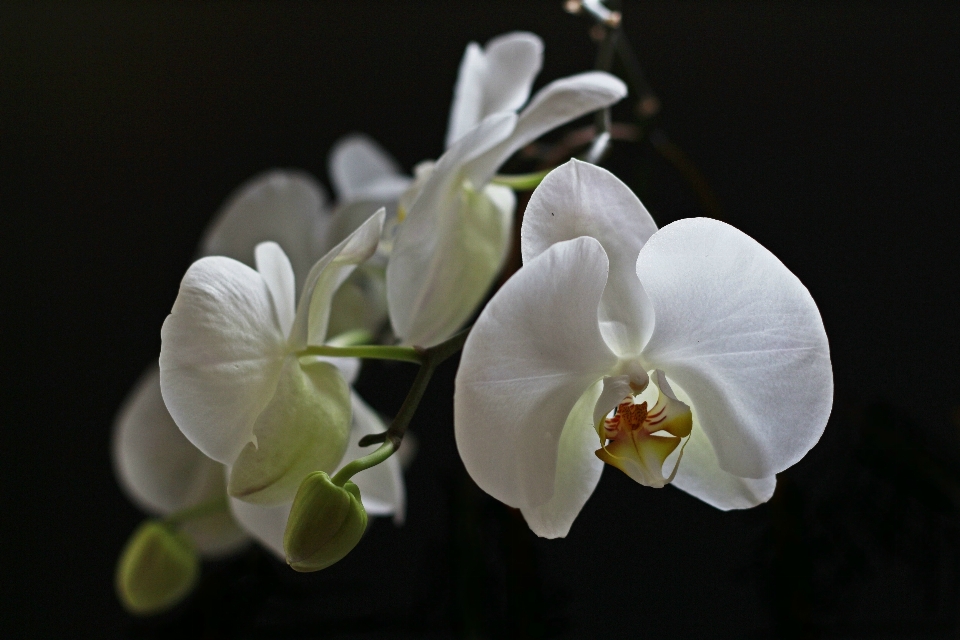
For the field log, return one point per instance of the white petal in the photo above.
(287, 207)
(700, 474)
(326, 276)
(578, 472)
(265, 523)
(557, 103)
(156, 465)
(534, 351)
(381, 487)
(275, 269)
(163, 473)
(743, 338)
(359, 166)
(449, 248)
(220, 356)
(581, 199)
(304, 428)
(497, 78)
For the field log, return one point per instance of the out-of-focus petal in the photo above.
(265, 524)
(360, 168)
(313, 310)
(581, 199)
(557, 103)
(743, 338)
(304, 428)
(495, 78)
(221, 354)
(286, 207)
(381, 487)
(275, 269)
(450, 246)
(578, 472)
(162, 472)
(534, 351)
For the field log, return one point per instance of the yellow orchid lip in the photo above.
(638, 440)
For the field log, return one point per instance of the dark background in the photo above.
(829, 133)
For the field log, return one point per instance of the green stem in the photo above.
(522, 181)
(208, 508)
(380, 352)
(432, 358)
(350, 469)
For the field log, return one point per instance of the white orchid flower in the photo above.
(456, 233)
(162, 471)
(604, 305)
(231, 375)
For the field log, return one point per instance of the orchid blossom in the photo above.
(162, 471)
(687, 355)
(456, 233)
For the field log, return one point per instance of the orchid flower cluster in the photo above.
(687, 355)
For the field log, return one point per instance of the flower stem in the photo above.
(380, 352)
(522, 181)
(431, 359)
(208, 508)
(350, 469)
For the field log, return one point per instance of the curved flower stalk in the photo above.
(688, 354)
(231, 375)
(456, 233)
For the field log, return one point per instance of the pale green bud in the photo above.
(325, 524)
(157, 569)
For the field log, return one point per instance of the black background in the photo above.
(829, 133)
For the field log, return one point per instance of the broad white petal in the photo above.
(220, 355)
(496, 78)
(743, 338)
(275, 269)
(534, 351)
(557, 103)
(265, 524)
(581, 199)
(577, 475)
(358, 164)
(450, 246)
(287, 207)
(381, 487)
(326, 276)
(303, 429)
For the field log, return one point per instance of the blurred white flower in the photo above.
(455, 235)
(604, 304)
(159, 469)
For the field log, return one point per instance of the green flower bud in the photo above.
(156, 570)
(325, 524)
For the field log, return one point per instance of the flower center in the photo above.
(638, 440)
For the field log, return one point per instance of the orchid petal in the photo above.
(581, 199)
(578, 472)
(361, 169)
(534, 351)
(276, 271)
(304, 428)
(743, 338)
(557, 103)
(221, 354)
(360, 302)
(287, 207)
(266, 524)
(381, 487)
(326, 276)
(450, 247)
(495, 78)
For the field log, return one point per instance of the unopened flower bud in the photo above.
(325, 524)
(156, 570)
